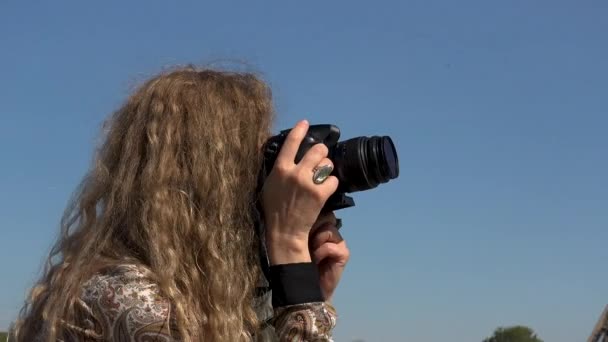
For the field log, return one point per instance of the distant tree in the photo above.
(514, 334)
(3, 336)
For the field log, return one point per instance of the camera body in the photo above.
(360, 163)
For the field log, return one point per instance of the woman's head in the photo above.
(171, 188)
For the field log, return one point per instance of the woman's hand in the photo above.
(329, 252)
(292, 201)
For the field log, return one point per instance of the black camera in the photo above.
(360, 163)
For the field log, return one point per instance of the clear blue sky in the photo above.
(499, 110)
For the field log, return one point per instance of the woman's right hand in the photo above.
(292, 201)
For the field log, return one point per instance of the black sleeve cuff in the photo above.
(293, 284)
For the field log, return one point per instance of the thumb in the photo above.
(330, 250)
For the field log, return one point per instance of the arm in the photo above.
(126, 306)
(305, 322)
(300, 311)
(292, 201)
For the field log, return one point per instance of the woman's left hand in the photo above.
(329, 251)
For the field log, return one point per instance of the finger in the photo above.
(329, 186)
(338, 223)
(315, 156)
(308, 173)
(327, 233)
(325, 217)
(287, 154)
(338, 252)
(323, 191)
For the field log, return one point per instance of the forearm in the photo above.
(300, 311)
(305, 322)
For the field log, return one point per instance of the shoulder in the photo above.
(124, 300)
(124, 287)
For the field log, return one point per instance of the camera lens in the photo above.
(362, 163)
(390, 157)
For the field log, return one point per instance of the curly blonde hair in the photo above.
(171, 188)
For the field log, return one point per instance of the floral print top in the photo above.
(122, 305)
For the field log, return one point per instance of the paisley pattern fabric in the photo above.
(123, 305)
(305, 322)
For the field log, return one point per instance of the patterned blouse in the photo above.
(122, 305)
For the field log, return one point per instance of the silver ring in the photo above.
(321, 173)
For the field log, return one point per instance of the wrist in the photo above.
(286, 249)
(294, 284)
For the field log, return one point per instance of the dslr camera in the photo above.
(360, 163)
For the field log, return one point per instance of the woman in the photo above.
(159, 243)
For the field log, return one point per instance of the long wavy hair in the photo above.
(171, 188)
